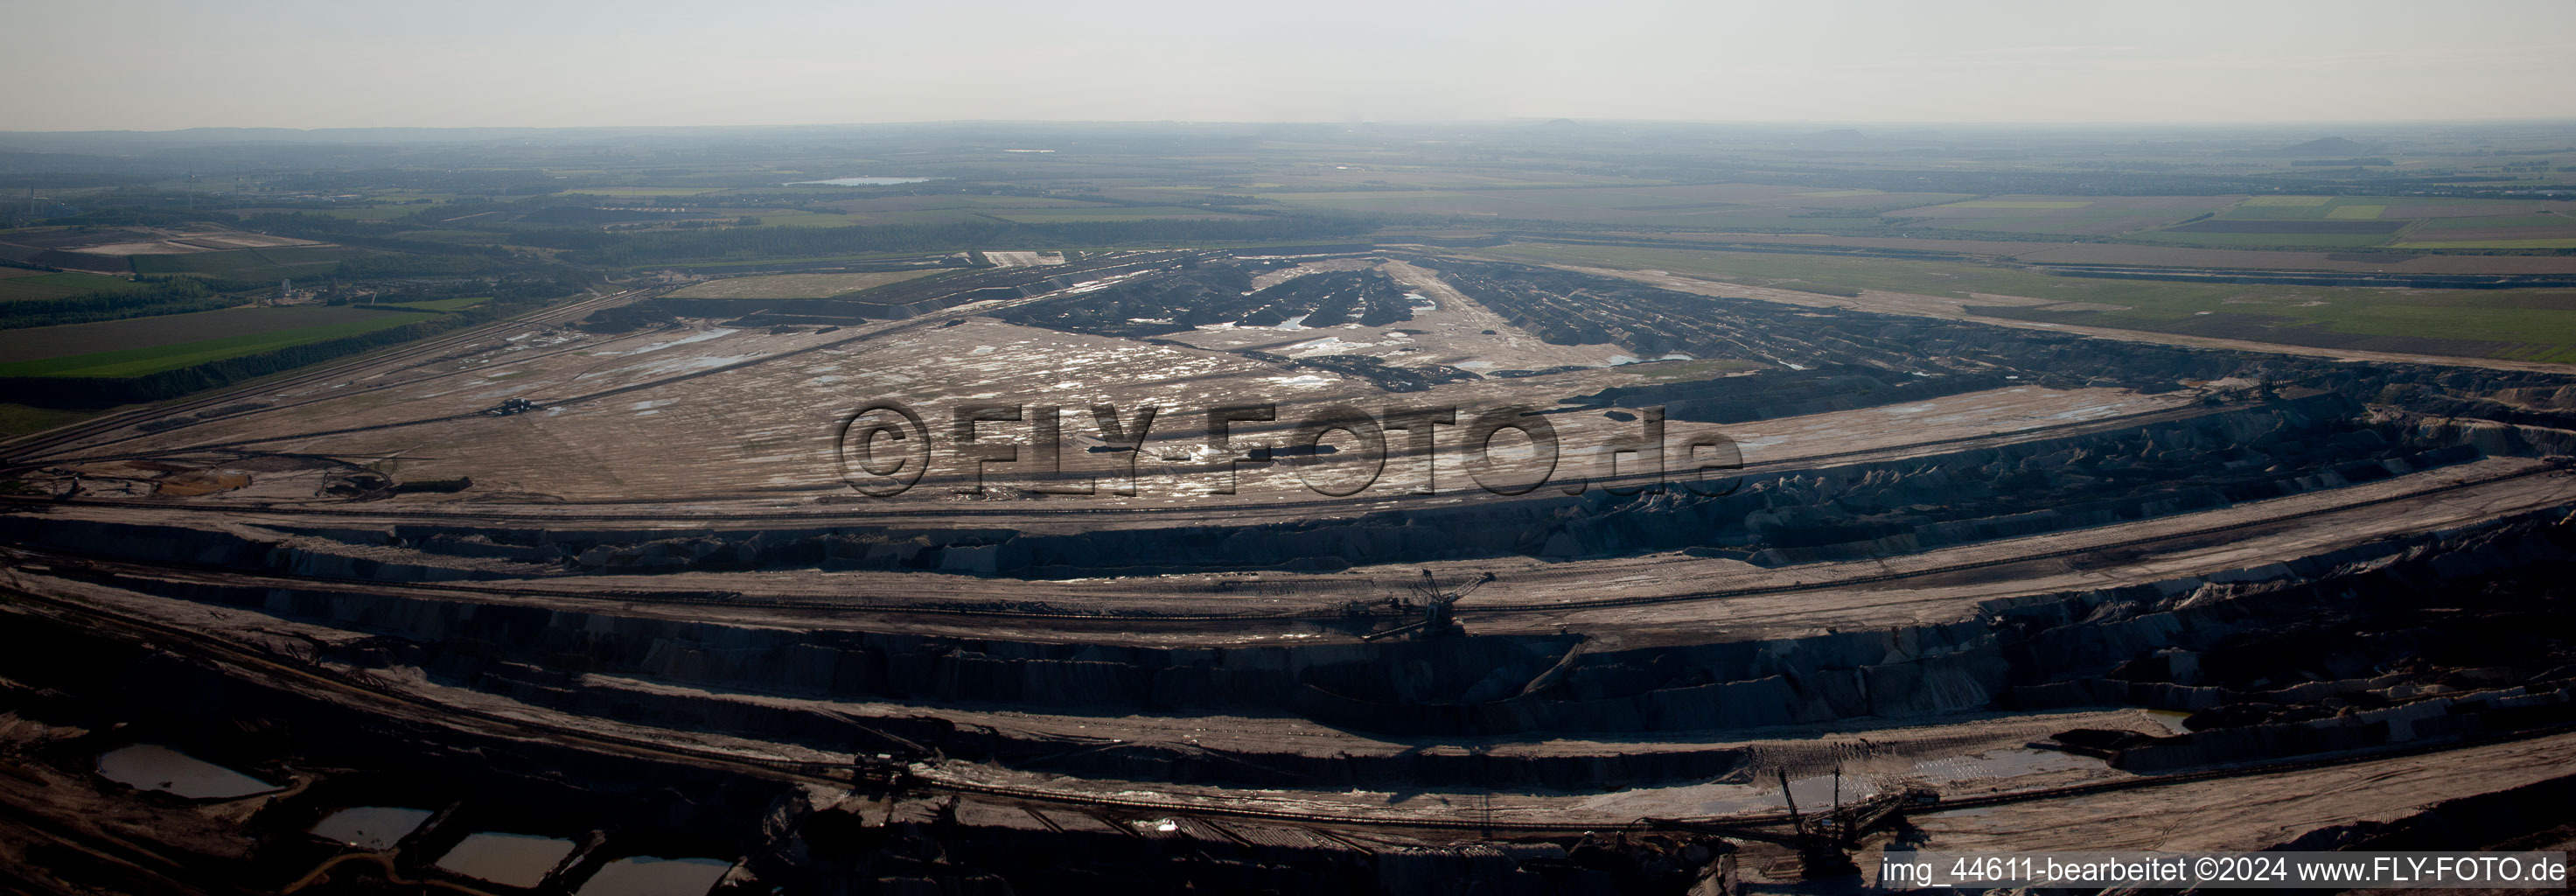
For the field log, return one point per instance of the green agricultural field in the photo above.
(1698, 206)
(466, 237)
(2413, 222)
(2516, 222)
(2432, 207)
(2524, 231)
(1954, 279)
(386, 212)
(2311, 208)
(2019, 203)
(19, 419)
(2522, 324)
(795, 286)
(856, 257)
(1115, 213)
(249, 264)
(941, 209)
(778, 217)
(946, 201)
(2264, 240)
(1347, 177)
(2287, 201)
(39, 285)
(642, 191)
(1520, 204)
(2071, 215)
(2300, 208)
(141, 345)
(925, 216)
(2553, 243)
(441, 305)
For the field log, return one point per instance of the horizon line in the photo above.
(1509, 120)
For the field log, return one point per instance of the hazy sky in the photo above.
(162, 64)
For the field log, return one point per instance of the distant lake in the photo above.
(864, 181)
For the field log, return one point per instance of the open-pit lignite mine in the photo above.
(1352, 570)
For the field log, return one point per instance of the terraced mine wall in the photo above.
(2225, 457)
(728, 678)
(2456, 636)
(1773, 394)
(797, 837)
(2329, 652)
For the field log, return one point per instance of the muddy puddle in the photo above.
(653, 876)
(370, 827)
(516, 860)
(156, 767)
(2006, 763)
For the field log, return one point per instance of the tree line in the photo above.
(50, 391)
(152, 296)
(173, 295)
